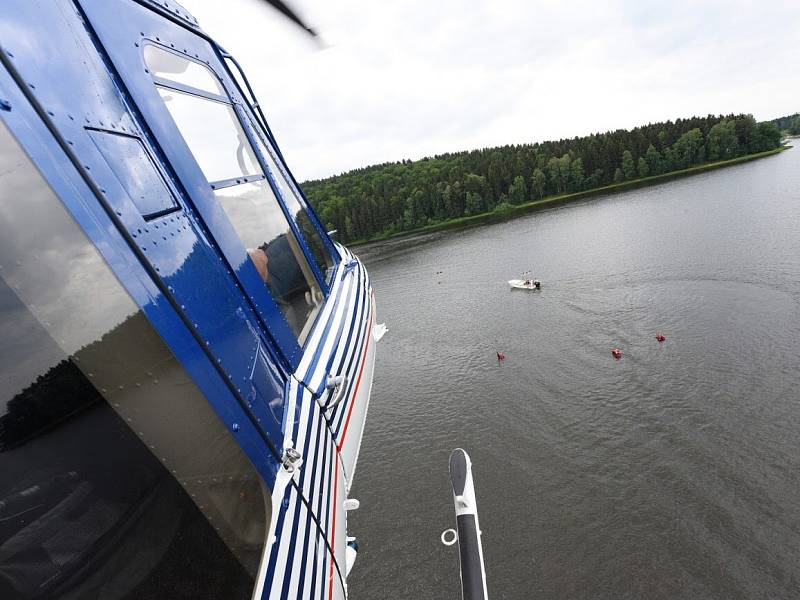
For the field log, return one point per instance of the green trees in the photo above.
(576, 175)
(794, 128)
(558, 169)
(644, 168)
(538, 183)
(686, 150)
(654, 160)
(628, 170)
(785, 123)
(405, 195)
(746, 130)
(766, 136)
(474, 204)
(722, 142)
(518, 191)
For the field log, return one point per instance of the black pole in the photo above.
(470, 551)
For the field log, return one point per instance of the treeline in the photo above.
(384, 199)
(789, 123)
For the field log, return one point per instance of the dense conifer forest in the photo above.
(790, 124)
(384, 199)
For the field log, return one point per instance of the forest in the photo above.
(381, 200)
(790, 124)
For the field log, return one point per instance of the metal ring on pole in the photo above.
(451, 541)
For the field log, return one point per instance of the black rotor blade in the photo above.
(289, 13)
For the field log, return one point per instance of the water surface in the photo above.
(672, 473)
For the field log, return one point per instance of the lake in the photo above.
(671, 473)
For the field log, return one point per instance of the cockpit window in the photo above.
(213, 134)
(169, 65)
(275, 251)
(218, 142)
(320, 253)
(117, 478)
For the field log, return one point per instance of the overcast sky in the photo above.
(413, 78)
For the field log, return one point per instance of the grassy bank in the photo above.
(512, 211)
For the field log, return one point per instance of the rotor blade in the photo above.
(289, 13)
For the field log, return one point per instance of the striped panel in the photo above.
(353, 416)
(322, 335)
(307, 553)
(321, 477)
(311, 522)
(344, 346)
(299, 564)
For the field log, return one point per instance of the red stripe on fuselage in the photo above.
(338, 447)
(360, 372)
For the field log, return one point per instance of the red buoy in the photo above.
(616, 353)
(661, 337)
(501, 356)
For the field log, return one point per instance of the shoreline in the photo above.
(521, 209)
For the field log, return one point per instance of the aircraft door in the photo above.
(207, 187)
(54, 57)
(178, 82)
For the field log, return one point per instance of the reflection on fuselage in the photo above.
(117, 479)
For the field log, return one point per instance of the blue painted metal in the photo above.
(82, 203)
(314, 487)
(76, 95)
(129, 161)
(122, 40)
(173, 10)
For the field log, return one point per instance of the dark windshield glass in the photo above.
(117, 479)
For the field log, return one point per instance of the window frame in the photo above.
(247, 124)
(256, 115)
(294, 244)
(267, 172)
(299, 197)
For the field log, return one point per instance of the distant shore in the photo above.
(513, 211)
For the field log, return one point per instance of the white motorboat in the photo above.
(525, 284)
